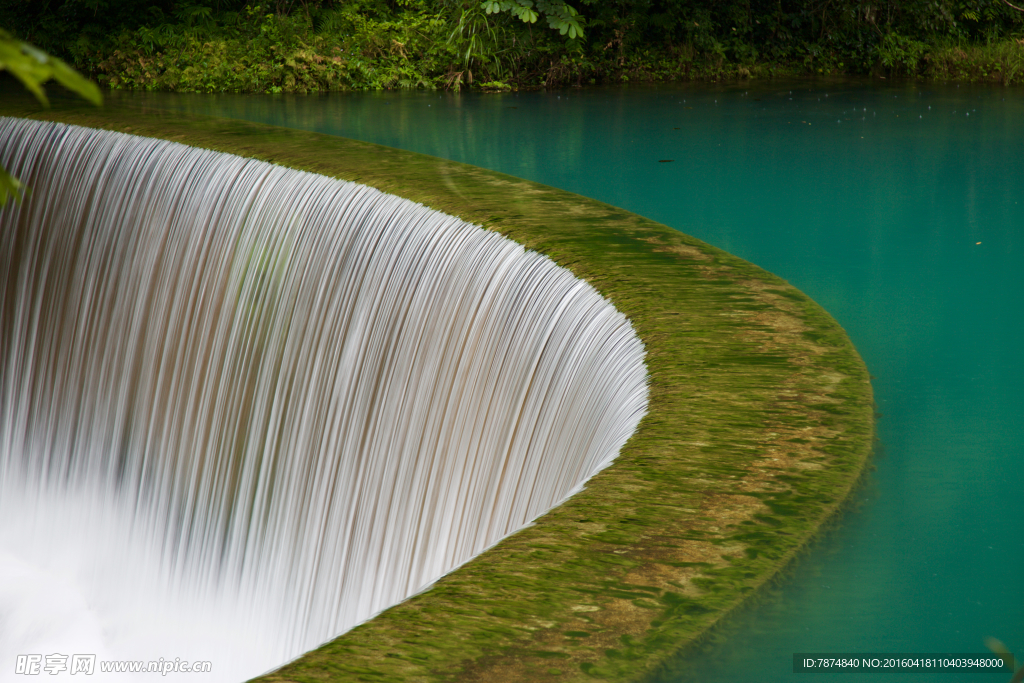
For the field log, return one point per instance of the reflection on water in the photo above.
(899, 208)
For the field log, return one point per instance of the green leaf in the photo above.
(9, 186)
(75, 82)
(33, 67)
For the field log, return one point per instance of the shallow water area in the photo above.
(897, 206)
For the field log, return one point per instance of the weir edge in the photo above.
(760, 422)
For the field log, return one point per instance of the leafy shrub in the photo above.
(317, 45)
(901, 54)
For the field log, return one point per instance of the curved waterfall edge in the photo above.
(725, 480)
(309, 399)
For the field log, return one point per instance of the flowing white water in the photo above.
(244, 408)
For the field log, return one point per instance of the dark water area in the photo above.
(899, 208)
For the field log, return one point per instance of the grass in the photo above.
(996, 62)
(760, 422)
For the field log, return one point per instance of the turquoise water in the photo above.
(900, 208)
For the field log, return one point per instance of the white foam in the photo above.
(244, 408)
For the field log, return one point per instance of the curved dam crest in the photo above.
(759, 423)
(274, 399)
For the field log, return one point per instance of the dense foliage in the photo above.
(314, 45)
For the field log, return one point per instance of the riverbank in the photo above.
(231, 66)
(322, 45)
(760, 422)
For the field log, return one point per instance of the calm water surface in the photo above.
(900, 208)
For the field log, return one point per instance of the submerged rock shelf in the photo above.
(759, 422)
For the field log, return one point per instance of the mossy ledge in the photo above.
(760, 422)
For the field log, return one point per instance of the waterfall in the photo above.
(244, 408)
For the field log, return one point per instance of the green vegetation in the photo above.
(322, 45)
(33, 67)
(759, 423)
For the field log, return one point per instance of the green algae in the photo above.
(760, 422)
